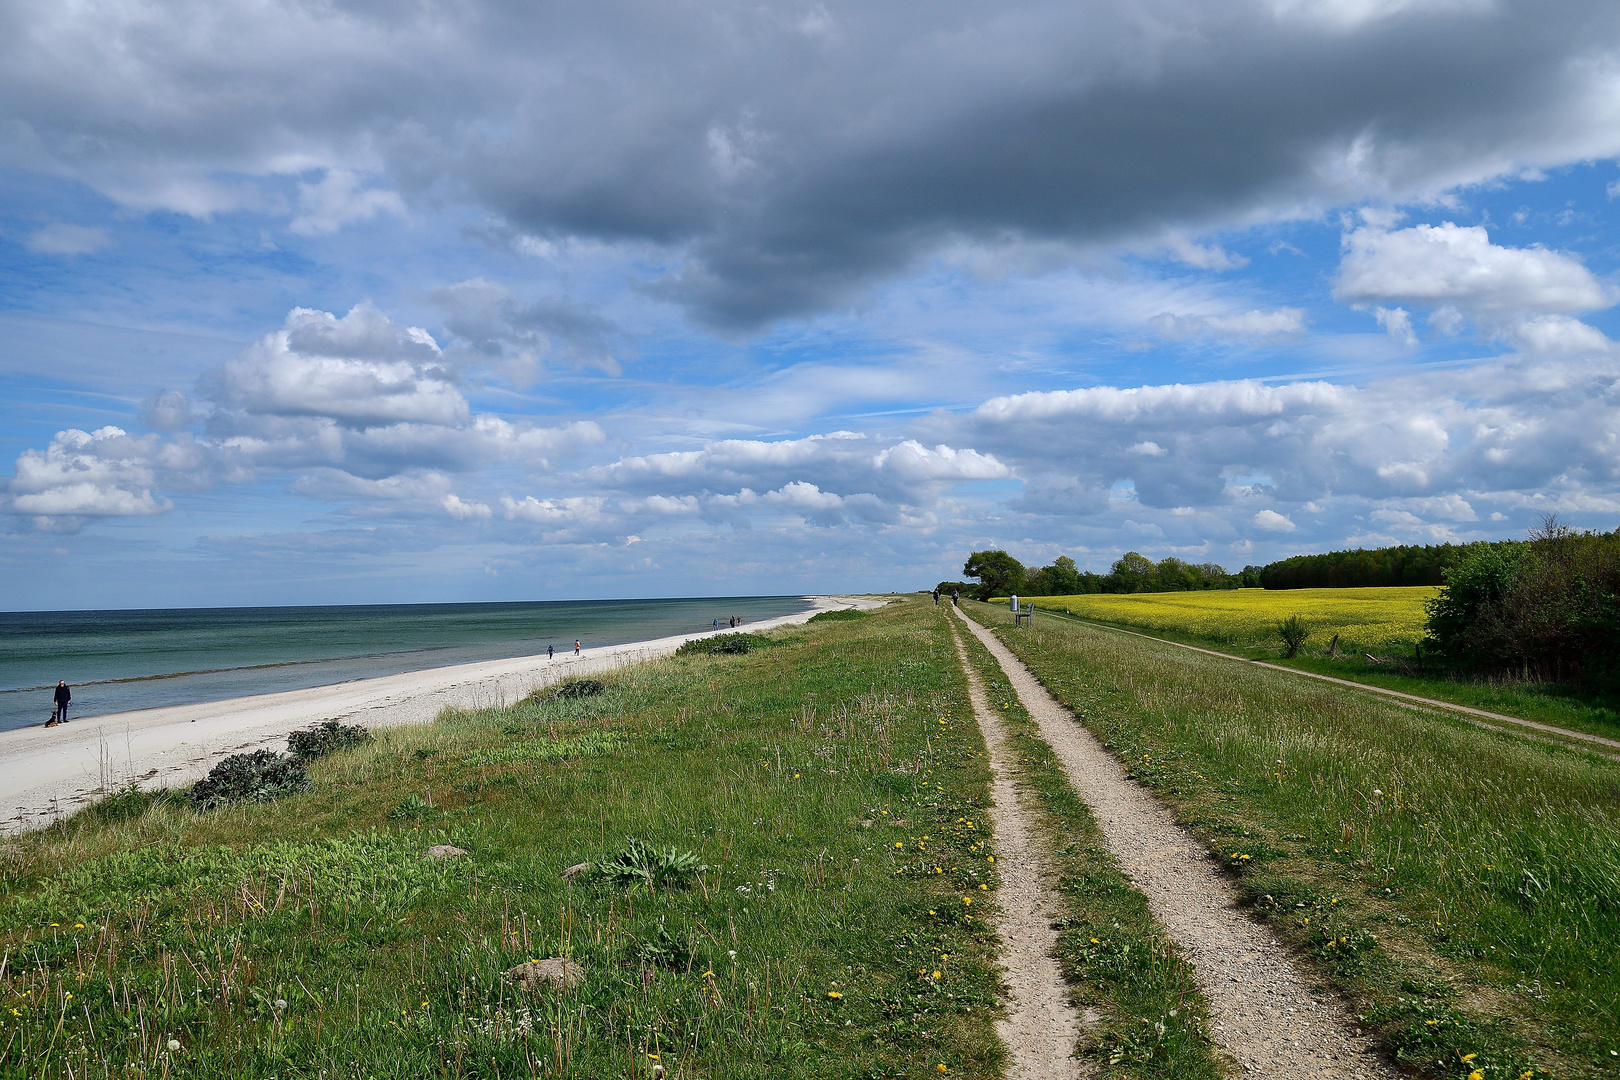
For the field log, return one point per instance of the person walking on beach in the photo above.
(551, 652)
(63, 696)
(576, 646)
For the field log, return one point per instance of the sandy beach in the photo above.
(47, 773)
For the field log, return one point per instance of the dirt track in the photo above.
(1263, 1010)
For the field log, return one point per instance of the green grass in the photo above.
(1461, 886)
(310, 938)
(1152, 1020)
(1557, 704)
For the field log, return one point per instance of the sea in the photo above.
(116, 661)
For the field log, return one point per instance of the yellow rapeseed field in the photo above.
(1378, 621)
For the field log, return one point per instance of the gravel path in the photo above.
(1263, 1011)
(1041, 1028)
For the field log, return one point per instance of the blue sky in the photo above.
(474, 302)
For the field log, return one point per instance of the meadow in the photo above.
(1460, 886)
(794, 882)
(1379, 621)
(830, 919)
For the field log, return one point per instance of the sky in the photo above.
(358, 302)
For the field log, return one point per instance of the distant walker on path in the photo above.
(63, 696)
(936, 596)
(956, 598)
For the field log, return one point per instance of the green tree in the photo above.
(1132, 572)
(1062, 578)
(999, 573)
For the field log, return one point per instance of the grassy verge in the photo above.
(1547, 703)
(1150, 1020)
(821, 779)
(1461, 886)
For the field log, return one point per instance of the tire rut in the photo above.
(1263, 1010)
(1041, 1028)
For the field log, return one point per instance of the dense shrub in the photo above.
(324, 738)
(1294, 633)
(724, 645)
(1548, 608)
(841, 615)
(261, 776)
(578, 688)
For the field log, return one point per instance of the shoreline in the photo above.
(50, 773)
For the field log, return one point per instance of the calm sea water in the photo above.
(121, 660)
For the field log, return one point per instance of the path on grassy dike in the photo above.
(1473, 714)
(1263, 1011)
(1041, 1028)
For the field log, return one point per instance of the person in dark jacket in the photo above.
(956, 598)
(63, 696)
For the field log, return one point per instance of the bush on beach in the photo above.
(262, 776)
(724, 645)
(578, 688)
(326, 737)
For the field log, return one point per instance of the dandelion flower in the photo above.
(1477, 1074)
(1469, 1057)
(834, 994)
(935, 975)
(174, 1046)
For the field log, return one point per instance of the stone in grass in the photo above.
(552, 971)
(441, 852)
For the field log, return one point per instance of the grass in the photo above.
(837, 928)
(1151, 1018)
(1460, 886)
(1235, 621)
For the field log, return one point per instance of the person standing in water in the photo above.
(63, 696)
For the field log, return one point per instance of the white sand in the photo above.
(46, 773)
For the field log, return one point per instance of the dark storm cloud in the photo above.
(787, 156)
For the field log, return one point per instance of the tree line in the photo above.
(1000, 574)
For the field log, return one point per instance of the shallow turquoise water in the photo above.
(121, 660)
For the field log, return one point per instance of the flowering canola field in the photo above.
(1378, 621)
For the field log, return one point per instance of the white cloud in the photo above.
(361, 370)
(1204, 257)
(60, 238)
(339, 200)
(1557, 335)
(1397, 323)
(1279, 322)
(1271, 521)
(1458, 265)
(104, 473)
(462, 510)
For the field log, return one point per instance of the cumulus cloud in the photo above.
(1271, 521)
(105, 473)
(353, 407)
(781, 171)
(1456, 269)
(60, 238)
(1513, 425)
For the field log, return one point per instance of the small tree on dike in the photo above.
(999, 573)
